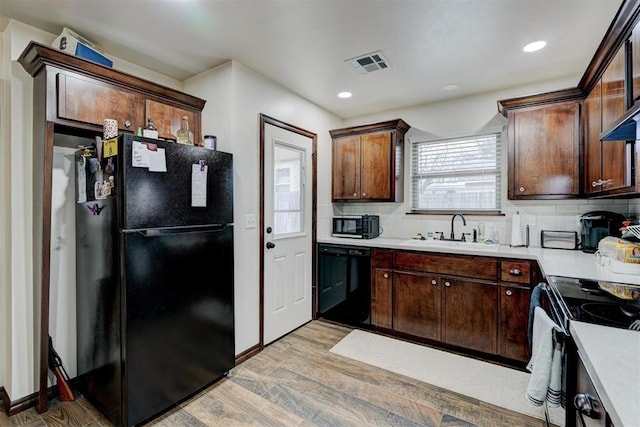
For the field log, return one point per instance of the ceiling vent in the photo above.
(368, 63)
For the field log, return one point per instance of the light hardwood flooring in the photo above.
(296, 381)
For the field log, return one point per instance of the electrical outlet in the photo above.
(250, 221)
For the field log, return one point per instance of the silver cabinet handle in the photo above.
(434, 282)
(602, 182)
(584, 403)
(508, 292)
(355, 194)
(364, 194)
(515, 272)
(521, 189)
(385, 275)
(447, 284)
(127, 124)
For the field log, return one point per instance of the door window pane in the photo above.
(288, 189)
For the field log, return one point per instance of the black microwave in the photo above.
(356, 227)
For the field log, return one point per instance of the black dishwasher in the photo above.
(344, 284)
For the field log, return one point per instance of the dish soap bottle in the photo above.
(184, 135)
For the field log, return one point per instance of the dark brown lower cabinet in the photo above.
(514, 320)
(417, 304)
(476, 303)
(470, 314)
(381, 314)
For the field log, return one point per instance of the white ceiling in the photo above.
(302, 44)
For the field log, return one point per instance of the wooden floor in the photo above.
(296, 381)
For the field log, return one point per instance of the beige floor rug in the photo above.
(490, 383)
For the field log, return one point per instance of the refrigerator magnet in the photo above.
(199, 185)
(110, 147)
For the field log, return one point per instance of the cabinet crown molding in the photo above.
(37, 56)
(397, 124)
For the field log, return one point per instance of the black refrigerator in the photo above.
(154, 234)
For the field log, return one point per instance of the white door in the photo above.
(287, 231)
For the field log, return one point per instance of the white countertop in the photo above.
(612, 359)
(611, 355)
(553, 262)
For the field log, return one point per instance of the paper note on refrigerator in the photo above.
(157, 160)
(139, 156)
(199, 186)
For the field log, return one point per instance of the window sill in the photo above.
(449, 213)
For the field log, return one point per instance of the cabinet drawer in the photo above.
(515, 272)
(382, 258)
(476, 267)
(91, 101)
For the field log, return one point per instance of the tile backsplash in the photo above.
(557, 215)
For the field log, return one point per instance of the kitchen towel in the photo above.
(535, 301)
(545, 363)
(516, 234)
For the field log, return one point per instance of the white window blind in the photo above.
(458, 174)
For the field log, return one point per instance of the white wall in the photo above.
(236, 96)
(465, 116)
(20, 332)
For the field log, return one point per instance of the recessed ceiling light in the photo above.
(451, 87)
(344, 95)
(532, 47)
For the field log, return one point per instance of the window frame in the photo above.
(498, 137)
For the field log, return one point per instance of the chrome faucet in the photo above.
(464, 222)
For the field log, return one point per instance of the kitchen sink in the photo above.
(451, 244)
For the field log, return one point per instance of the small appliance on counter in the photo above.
(596, 225)
(356, 227)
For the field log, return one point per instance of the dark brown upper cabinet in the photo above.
(544, 145)
(367, 162)
(607, 164)
(609, 92)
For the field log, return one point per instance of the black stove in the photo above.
(595, 302)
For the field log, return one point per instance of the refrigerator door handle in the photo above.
(155, 232)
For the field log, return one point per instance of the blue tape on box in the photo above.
(84, 51)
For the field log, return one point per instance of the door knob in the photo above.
(270, 245)
(269, 230)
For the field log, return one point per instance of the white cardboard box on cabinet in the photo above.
(70, 42)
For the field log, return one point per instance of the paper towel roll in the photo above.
(516, 234)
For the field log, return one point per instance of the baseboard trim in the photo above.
(30, 401)
(13, 408)
(17, 406)
(247, 354)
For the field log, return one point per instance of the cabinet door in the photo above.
(514, 321)
(417, 304)
(376, 166)
(346, 168)
(168, 119)
(592, 126)
(381, 288)
(616, 157)
(545, 146)
(86, 100)
(470, 314)
(635, 62)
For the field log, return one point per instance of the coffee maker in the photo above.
(596, 225)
